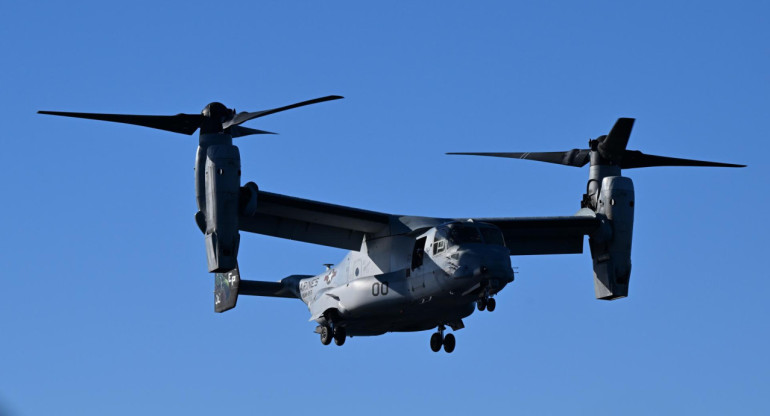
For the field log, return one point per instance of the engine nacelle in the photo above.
(248, 199)
(611, 244)
(222, 185)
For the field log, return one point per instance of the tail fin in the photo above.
(228, 285)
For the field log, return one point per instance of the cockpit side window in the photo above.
(439, 246)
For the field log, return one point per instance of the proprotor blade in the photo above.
(574, 157)
(246, 116)
(180, 123)
(636, 159)
(614, 144)
(240, 131)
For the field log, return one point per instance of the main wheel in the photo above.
(481, 304)
(339, 335)
(326, 335)
(491, 304)
(435, 342)
(449, 343)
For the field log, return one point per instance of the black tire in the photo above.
(435, 342)
(449, 343)
(481, 304)
(491, 304)
(339, 335)
(326, 335)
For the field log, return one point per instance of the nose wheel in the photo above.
(438, 339)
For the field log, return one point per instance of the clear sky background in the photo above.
(106, 304)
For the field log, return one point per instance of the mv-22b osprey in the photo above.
(403, 273)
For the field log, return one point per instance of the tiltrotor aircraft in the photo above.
(403, 273)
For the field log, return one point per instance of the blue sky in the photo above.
(107, 306)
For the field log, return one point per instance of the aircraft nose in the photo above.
(480, 271)
(496, 271)
(482, 266)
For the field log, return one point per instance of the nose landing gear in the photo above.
(438, 339)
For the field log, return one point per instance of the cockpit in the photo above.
(464, 250)
(454, 235)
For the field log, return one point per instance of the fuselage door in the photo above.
(417, 276)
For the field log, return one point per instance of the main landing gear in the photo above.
(487, 303)
(438, 339)
(338, 334)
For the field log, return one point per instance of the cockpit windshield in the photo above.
(464, 233)
(493, 236)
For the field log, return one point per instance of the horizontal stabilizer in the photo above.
(228, 285)
(288, 287)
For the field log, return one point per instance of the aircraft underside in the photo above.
(412, 318)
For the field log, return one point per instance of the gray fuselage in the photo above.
(411, 283)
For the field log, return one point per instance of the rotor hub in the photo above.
(217, 112)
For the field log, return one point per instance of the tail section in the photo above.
(228, 285)
(610, 196)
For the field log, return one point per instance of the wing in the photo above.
(314, 222)
(345, 227)
(545, 235)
